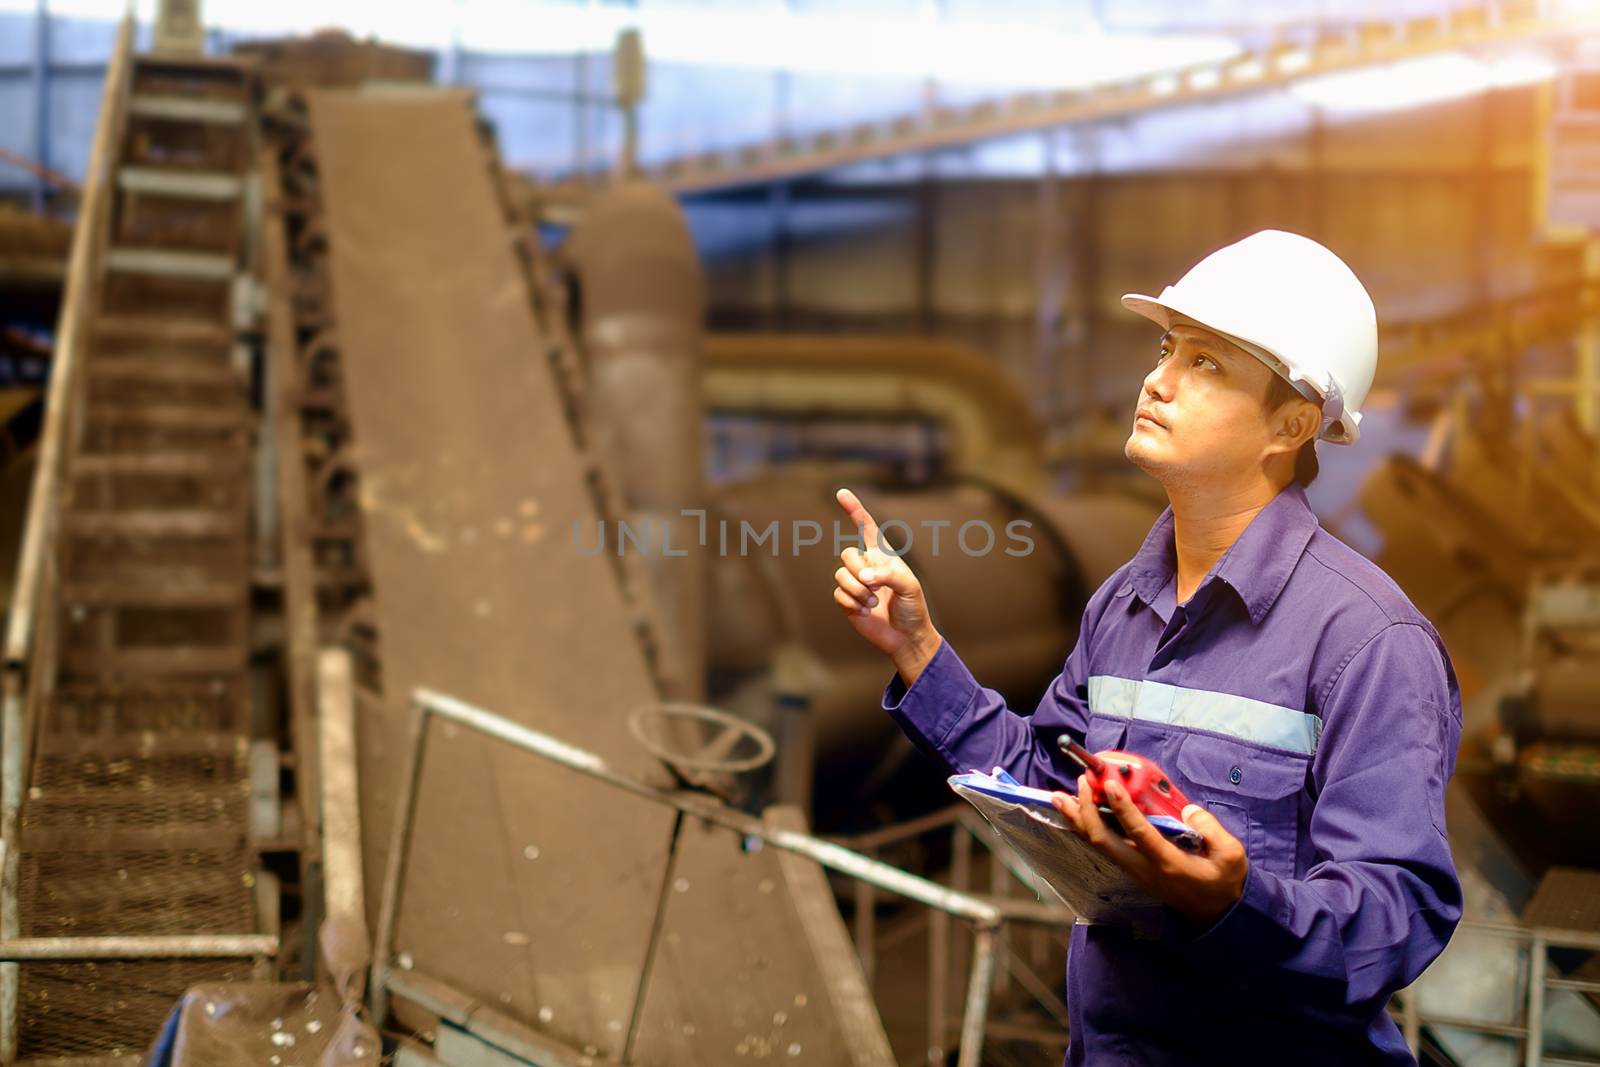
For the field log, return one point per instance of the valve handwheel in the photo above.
(696, 741)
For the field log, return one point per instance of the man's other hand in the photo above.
(1201, 887)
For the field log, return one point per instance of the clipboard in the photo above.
(1093, 887)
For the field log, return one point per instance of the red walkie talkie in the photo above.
(1151, 791)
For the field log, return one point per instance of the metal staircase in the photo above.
(130, 873)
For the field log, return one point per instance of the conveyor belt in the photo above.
(530, 889)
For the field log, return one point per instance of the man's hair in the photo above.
(1305, 461)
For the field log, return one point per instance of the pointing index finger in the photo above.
(860, 516)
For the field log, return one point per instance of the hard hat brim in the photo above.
(1348, 428)
(1149, 307)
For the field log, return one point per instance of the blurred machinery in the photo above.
(1495, 534)
(1497, 543)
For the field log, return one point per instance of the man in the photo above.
(1283, 681)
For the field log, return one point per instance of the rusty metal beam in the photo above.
(294, 529)
(181, 946)
(830, 942)
(340, 810)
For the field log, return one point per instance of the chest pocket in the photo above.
(1105, 731)
(1260, 788)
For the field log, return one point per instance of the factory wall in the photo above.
(976, 259)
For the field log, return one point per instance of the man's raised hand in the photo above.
(881, 597)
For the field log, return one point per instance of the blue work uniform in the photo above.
(1302, 699)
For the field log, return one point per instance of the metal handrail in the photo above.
(835, 857)
(33, 588)
(87, 243)
(965, 826)
(1539, 940)
(987, 915)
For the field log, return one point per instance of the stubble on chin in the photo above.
(1170, 475)
(1140, 457)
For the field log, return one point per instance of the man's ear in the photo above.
(1294, 423)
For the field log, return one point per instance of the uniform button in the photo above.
(1234, 775)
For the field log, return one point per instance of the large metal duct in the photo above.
(641, 300)
(990, 429)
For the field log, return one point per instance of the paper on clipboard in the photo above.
(1087, 882)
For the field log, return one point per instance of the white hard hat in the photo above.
(1294, 305)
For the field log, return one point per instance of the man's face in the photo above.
(1200, 418)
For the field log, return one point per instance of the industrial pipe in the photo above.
(640, 297)
(989, 425)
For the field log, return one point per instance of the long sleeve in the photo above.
(1382, 897)
(966, 726)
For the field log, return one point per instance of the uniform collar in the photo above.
(1256, 566)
